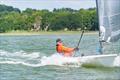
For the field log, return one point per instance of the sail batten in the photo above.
(109, 19)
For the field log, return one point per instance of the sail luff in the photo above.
(101, 46)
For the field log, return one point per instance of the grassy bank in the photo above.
(47, 33)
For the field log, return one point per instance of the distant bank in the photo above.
(47, 33)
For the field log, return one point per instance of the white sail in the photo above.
(109, 19)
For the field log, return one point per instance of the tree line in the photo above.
(12, 19)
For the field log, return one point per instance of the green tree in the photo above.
(37, 20)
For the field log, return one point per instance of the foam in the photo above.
(35, 60)
(23, 63)
(20, 57)
(57, 59)
(21, 54)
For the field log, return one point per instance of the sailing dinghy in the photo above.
(109, 33)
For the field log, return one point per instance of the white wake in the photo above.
(37, 59)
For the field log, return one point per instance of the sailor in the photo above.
(65, 51)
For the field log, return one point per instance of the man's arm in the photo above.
(67, 49)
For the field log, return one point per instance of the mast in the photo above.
(100, 42)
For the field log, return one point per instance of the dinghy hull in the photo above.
(92, 60)
(98, 60)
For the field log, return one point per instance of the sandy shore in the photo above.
(48, 33)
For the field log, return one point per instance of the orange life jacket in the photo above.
(64, 50)
(59, 47)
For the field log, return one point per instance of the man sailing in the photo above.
(65, 51)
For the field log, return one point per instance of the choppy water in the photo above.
(20, 58)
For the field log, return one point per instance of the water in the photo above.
(20, 59)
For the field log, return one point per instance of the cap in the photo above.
(58, 40)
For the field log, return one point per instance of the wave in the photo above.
(36, 59)
(23, 63)
(20, 57)
(19, 54)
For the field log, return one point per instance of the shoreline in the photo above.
(47, 33)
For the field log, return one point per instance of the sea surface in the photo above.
(20, 58)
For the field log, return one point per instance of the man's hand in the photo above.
(76, 49)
